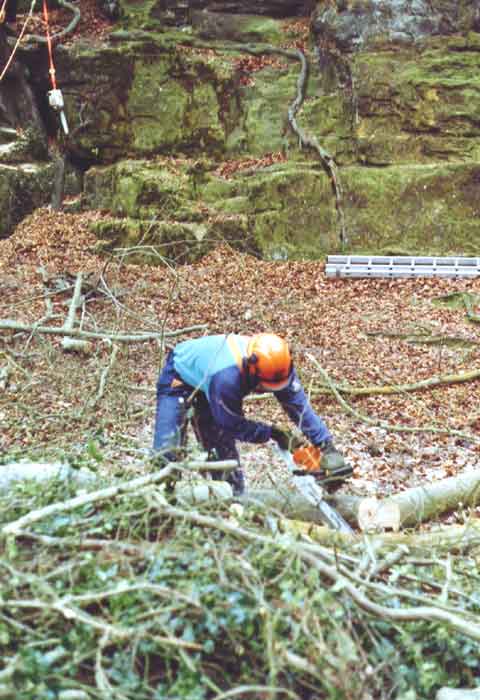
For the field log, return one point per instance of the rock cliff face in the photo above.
(181, 123)
(360, 25)
(24, 175)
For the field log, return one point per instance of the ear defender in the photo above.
(248, 364)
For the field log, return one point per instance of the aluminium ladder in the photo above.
(401, 266)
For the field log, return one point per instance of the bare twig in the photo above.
(104, 375)
(74, 304)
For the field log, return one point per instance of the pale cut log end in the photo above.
(375, 516)
(76, 345)
(458, 694)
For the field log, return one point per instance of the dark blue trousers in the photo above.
(176, 402)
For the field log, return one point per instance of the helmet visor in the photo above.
(277, 384)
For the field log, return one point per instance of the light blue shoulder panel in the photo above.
(198, 360)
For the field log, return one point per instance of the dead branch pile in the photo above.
(123, 592)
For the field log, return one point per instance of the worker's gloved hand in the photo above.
(332, 460)
(281, 437)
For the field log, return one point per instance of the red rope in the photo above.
(51, 69)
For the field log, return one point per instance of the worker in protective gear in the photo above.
(213, 374)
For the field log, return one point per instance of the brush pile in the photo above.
(121, 592)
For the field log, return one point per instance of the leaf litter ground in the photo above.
(362, 332)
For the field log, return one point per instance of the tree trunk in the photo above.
(414, 506)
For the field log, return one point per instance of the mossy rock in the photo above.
(262, 125)
(27, 146)
(423, 209)
(285, 203)
(157, 94)
(418, 106)
(358, 24)
(145, 98)
(330, 119)
(287, 210)
(175, 104)
(245, 28)
(23, 188)
(154, 242)
(139, 189)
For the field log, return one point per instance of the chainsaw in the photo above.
(310, 460)
(308, 481)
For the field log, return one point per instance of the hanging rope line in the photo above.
(51, 65)
(55, 97)
(2, 11)
(20, 37)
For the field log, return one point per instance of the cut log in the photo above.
(41, 472)
(75, 345)
(454, 538)
(406, 509)
(424, 503)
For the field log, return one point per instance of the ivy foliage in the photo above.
(121, 600)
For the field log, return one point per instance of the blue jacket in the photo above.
(213, 364)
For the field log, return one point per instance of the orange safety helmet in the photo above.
(269, 360)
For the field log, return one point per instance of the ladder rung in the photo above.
(401, 266)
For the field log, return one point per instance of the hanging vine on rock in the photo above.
(312, 142)
(304, 139)
(59, 35)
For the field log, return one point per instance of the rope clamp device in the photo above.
(55, 100)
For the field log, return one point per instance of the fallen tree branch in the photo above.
(467, 299)
(74, 304)
(104, 375)
(456, 622)
(471, 315)
(423, 338)
(387, 389)
(69, 343)
(110, 492)
(381, 423)
(89, 544)
(139, 337)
